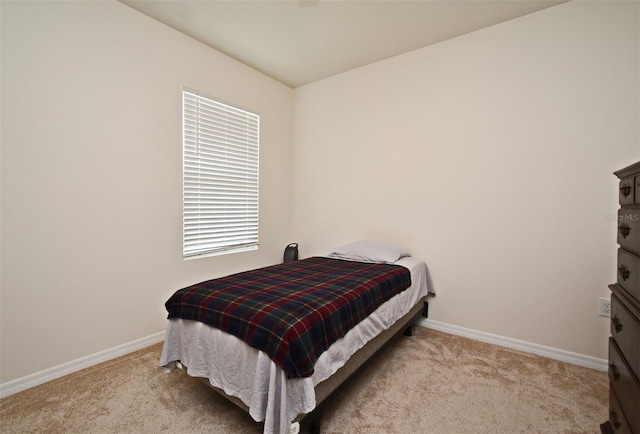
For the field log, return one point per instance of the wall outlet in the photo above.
(605, 307)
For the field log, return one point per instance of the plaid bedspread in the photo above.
(294, 311)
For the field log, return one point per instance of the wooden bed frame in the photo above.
(310, 423)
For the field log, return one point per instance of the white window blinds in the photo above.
(220, 176)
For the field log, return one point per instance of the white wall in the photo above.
(491, 157)
(91, 176)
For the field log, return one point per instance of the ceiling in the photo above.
(300, 41)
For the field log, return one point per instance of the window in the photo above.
(220, 177)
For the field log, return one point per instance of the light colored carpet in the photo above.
(431, 382)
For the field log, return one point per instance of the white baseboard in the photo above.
(527, 347)
(20, 384)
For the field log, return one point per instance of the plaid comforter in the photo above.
(294, 311)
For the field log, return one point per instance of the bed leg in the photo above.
(408, 331)
(311, 423)
(425, 310)
(315, 427)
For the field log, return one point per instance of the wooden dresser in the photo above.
(624, 343)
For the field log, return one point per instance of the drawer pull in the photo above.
(613, 417)
(617, 324)
(614, 371)
(624, 229)
(625, 190)
(624, 272)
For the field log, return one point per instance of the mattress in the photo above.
(250, 376)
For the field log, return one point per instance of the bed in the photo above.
(282, 387)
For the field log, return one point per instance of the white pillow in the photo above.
(369, 251)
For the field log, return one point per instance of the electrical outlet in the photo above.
(605, 307)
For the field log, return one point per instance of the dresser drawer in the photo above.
(616, 417)
(629, 229)
(626, 194)
(625, 386)
(625, 330)
(629, 272)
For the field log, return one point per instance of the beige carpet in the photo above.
(431, 382)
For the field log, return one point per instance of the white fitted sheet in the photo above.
(250, 375)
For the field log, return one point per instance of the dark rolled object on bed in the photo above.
(291, 253)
